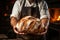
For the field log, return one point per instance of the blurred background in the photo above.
(6, 29)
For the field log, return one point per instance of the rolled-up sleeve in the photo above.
(15, 10)
(44, 12)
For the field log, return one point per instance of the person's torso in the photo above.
(30, 11)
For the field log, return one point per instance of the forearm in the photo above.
(44, 21)
(13, 21)
(44, 26)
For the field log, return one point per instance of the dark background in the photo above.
(5, 27)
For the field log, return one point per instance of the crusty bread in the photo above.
(29, 24)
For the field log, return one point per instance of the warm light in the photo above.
(5, 14)
(55, 15)
(58, 18)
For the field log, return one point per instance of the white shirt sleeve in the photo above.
(16, 11)
(44, 12)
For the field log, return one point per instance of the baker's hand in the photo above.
(15, 29)
(44, 32)
(43, 27)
